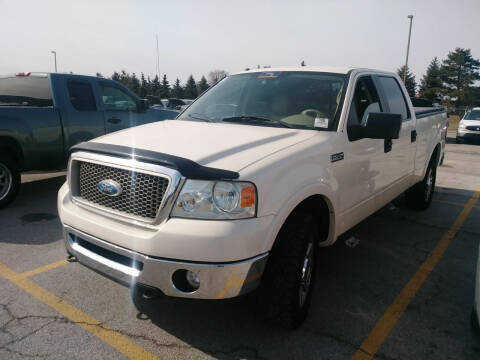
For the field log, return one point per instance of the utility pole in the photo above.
(408, 49)
(55, 58)
(158, 60)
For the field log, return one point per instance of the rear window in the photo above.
(25, 91)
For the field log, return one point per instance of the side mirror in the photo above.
(143, 105)
(377, 126)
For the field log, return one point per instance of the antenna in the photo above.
(158, 59)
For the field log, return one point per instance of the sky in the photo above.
(196, 37)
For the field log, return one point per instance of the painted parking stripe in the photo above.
(42, 269)
(394, 312)
(108, 335)
(454, 203)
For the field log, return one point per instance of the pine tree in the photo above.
(410, 82)
(303, 63)
(143, 86)
(164, 88)
(459, 71)
(202, 85)
(190, 91)
(115, 76)
(431, 85)
(177, 90)
(155, 88)
(135, 84)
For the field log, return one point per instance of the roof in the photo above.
(327, 69)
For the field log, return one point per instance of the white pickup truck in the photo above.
(244, 188)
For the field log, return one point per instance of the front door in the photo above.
(119, 107)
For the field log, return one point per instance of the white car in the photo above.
(248, 183)
(469, 126)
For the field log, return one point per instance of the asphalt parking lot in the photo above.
(403, 291)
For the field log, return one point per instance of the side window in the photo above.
(114, 98)
(365, 101)
(81, 95)
(394, 96)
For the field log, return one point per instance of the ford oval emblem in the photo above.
(109, 187)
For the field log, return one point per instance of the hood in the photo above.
(219, 145)
(470, 122)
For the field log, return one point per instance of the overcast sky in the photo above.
(198, 36)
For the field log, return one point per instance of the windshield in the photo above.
(303, 100)
(473, 115)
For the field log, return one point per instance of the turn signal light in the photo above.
(247, 196)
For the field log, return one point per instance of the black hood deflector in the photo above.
(188, 168)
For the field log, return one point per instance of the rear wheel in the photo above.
(287, 283)
(9, 180)
(420, 195)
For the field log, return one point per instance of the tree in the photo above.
(190, 91)
(202, 85)
(459, 71)
(115, 76)
(303, 63)
(431, 85)
(410, 82)
(155, 87)
(164, 88)
(143, 86)
(177, 90)
(215, 76)
(99, 75)
(134, 84)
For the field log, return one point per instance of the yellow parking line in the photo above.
(108, 335)
(42, 269)
(395, 311)
(454, 203)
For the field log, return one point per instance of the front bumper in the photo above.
(217, 280)
(468, 135)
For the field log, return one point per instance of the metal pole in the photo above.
(55, 59)
(408, 48)
(158, 60)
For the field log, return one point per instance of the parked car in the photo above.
(244, 188)
(43, 115)
(469, 126)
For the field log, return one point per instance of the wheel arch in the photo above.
(12, 147)
(317, 203)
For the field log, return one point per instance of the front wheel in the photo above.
(288, 280)
(420, 195)
(9, 180)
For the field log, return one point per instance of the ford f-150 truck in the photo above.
(244, 188)
(43, 115)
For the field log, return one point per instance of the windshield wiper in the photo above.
(198, 116)
(255, 119)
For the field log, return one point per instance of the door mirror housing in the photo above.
(377, 126)
(143, 105)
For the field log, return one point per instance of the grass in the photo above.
(453, 121)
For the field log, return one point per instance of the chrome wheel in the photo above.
(306, 279)
(429, 184)
(5, 181)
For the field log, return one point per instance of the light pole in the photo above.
(408, 48)
(55, 58)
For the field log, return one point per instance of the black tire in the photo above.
(9, 180)
(420, 195)
(287, 283)
(458, 141)
(474, 322)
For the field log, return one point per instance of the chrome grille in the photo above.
(141, 195)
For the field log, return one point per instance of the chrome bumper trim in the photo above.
(217, 280)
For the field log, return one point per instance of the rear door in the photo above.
(81, 117)
(403, 148)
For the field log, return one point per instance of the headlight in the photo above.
(462, 126)
(202, 199)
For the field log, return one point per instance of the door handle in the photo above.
(413, 136)
(114, 120)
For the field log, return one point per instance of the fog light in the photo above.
(185, 280)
